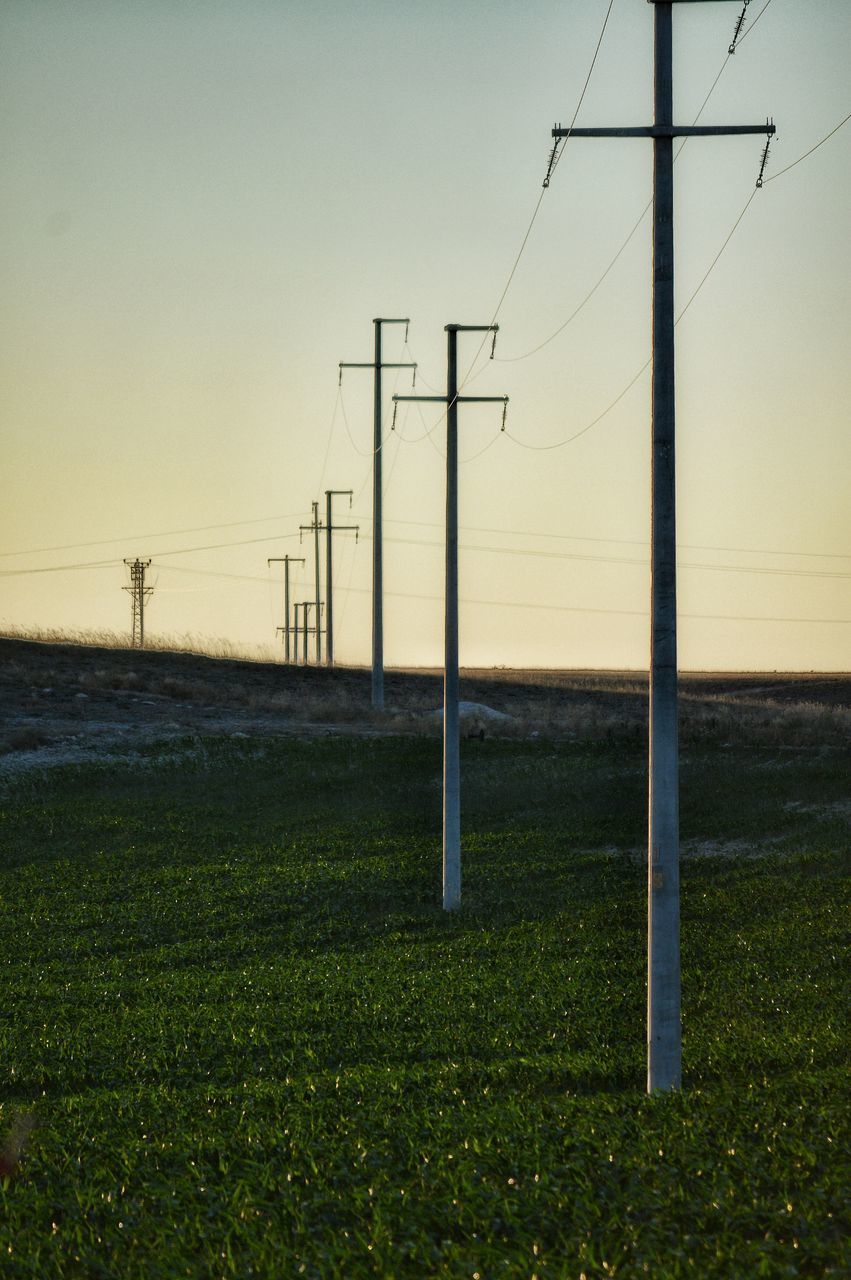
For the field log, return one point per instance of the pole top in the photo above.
(471, 328)
(395, 320)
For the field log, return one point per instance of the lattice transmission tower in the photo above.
(139, 593)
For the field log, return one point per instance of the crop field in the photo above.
(239, 1036)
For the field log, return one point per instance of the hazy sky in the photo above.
(205, 204)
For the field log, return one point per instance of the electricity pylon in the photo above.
(315, 527)
(451, 734)
(286, 561)
(377, 568)
(664, 1034)
(330, 530)
(139, 593)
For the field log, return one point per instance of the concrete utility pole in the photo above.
(330, 529)
(296, 608)
(377, 569)
(286, 561)
(451, 734)
(314, 527)
(139, 593)
(664, 1038)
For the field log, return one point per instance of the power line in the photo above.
(589, 295)
(554, 159)
(637, 542)
(142, 537)
(811, 150)
(560, 444)
(633, 613)
(573, 555)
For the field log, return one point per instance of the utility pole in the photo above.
(139, 593)
(377, 569)
(664, 1033)
(306, 606)
(286, 561)
(451, 734)
(315, 526)
(296, 608)
(329, 597)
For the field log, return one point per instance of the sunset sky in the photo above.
(204, 206)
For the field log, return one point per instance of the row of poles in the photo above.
(664, 1041)
(297, 614)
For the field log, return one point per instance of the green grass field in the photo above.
(253, 1044)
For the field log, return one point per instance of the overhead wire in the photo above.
(560, 444)
(635, 542)
(142, 537)
(820, 143)
(600, 279)
(553, 164)
(634, 613)
(623, 560)
(550, 608)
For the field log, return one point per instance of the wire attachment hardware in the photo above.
(552, 161)
(740, 22)
(763, 162)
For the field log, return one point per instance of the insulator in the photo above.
(493, 344)
(395, 407)
(340, 379)
(504, 412)
(740, 22)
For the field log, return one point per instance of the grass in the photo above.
(253, 1044)
(188, 642)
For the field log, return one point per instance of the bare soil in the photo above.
(68, 701)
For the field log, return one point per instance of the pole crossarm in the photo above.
(370, 364)
(665, 131)
(459, 399)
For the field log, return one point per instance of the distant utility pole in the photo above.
(296, 608)
(377, 571)
(139, 593)
(286, 561)
(330, 530)
(451, 735)
(664, 1037)
(315, 526)
(306, 606)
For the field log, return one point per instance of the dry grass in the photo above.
(188, 642)
(204, 677)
